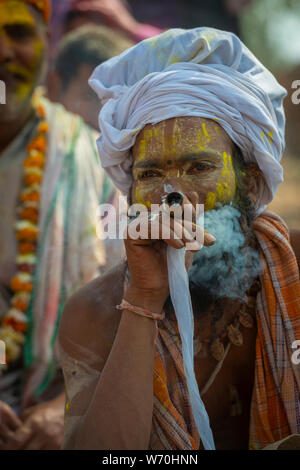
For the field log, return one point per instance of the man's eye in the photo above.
(20, 32)
(199, 167)
(148, 174)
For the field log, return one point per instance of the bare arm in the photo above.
(116, 409)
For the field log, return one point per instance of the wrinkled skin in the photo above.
(23, 43)
(122, 343)
(39, 427)
(191, 155)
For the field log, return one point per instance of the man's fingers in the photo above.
(20, 438)
(8, 417)
(13, 422)
(209, 239)
(161, 227)
(34, 444)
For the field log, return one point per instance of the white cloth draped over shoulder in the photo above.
(70, 254)
(199, 72)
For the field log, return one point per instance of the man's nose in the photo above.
(173, 181)
(176, 183)
(7, 51)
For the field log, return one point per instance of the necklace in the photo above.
(245, 318)
(13, 325)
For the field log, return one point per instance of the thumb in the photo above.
(25, 413)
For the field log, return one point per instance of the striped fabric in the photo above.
(275, 402)
(275, 408)
(173, 423)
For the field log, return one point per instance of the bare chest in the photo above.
(228, 399)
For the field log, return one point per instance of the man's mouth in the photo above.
(12, 77)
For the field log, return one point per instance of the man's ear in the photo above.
(254, 181)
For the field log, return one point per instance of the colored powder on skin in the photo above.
(200, 140)
(228, 181)
(227, 268)
(203, 137)
(217, 130)
(211, 200)
(142, 149)
(204, 130)
(12, 13)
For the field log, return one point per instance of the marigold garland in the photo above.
(14, 323)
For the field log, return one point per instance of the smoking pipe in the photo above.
(175, 198)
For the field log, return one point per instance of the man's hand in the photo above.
(9, 424)
(42, 428)
(147, 258)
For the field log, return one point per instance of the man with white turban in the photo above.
(191, 111)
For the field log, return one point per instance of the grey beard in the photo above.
(229, 267)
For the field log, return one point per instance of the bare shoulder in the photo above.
(90, 319)
(295, 242)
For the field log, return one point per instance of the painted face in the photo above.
(186, 154)
(22, 47)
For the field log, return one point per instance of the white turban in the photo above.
(199, 72)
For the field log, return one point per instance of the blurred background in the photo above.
(270, 28)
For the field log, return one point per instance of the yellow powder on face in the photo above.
(203, 137)
(23, 90)
(226, 185)
(138, 197)
(148, 133)
(200, 140)
(38, 49)
(176, 138)
(223, 191)
(142, 149)
(211, 200)
(228, 173)
(157, 132)
(14, 12)
(205, 130)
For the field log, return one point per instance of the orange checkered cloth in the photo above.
(275, 407)
(44, 6)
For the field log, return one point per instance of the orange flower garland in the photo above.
(14, 324)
